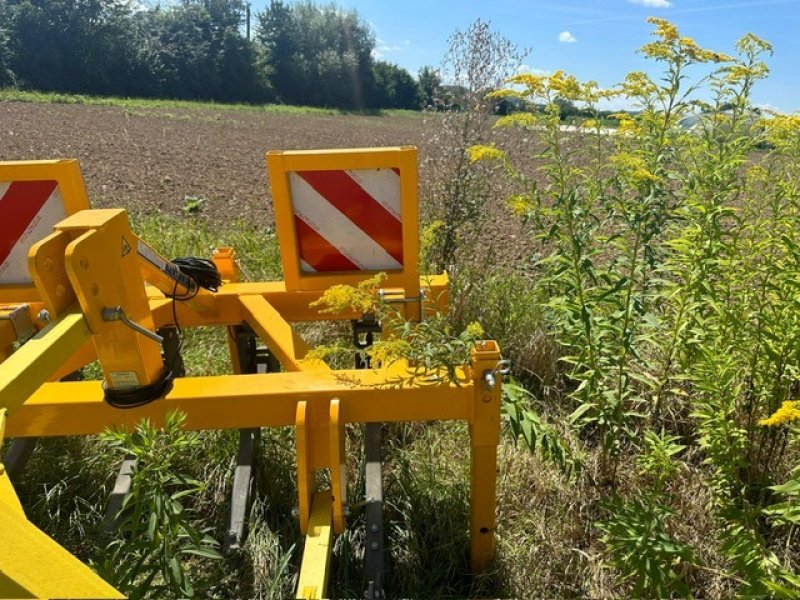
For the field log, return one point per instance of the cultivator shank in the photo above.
(95, 290)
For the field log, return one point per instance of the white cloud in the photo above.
(532, 70)
(652, 3)
(766, 106)
(567, 37)
(382, 47)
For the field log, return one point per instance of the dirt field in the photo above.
(152, 160)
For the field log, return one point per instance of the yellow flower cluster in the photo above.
(518, 119)
(341, 298)
(638, 84)
(634, 168)
(670, 45)
(520, 204)
(565, 86)
(534, 84)
(474, 330)
(482, 152)
(427, 237)
(590, 124)
(385, 352)
(789, 412)
(783, 132)
(664, 29)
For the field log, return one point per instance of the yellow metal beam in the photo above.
(337, 462)
(288, 347)
(312, 584)
(305, 470)
(244, 401)
(35, 361)
(34, 566)
(484, 433)
(224, 307)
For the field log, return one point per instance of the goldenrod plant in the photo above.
(670, 257)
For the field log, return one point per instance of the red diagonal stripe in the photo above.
(319, 252)
(18, 207)
(338, 188)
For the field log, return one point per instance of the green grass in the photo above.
(17, 95)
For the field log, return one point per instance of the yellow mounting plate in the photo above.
(343, 215)
(34, 196)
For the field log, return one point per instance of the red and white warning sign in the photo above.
(348, 220)
(28, 212)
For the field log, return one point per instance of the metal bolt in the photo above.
(44, 316)
(374, 546)
(374, 528)
(84, 263)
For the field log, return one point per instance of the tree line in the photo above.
(299, 53)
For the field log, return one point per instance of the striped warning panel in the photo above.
(348, 220)
(28, 212)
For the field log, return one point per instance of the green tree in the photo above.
(6, 74)
(394, 87)
(72, 45)
(319, 55)
(429, 86)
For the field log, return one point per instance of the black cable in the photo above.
(138, 396)
(205, 274)
(202, 270)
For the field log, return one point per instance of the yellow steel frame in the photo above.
(79, 270)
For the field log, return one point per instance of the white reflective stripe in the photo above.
(337, 229)
(4, 185)
(14, 269)
(306, 268)
(382, 184)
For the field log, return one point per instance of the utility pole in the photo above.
(247, 12)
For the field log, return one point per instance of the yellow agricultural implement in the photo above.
(89, 288)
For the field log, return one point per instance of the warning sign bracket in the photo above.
(344, 215)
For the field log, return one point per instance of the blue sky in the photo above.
(593, 39)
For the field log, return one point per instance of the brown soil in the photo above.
(152, 160)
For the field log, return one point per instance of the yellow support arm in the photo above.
(35, 361)
(313, 581)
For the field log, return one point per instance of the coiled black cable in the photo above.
(205, 273)
(202, 270)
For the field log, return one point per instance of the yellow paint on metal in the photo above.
(46, 266)
(244, 401)
(105, 275)
(288, 347)
(225, 308)
(8, 335)
(305, 473)
(35, 361)
(280, 164)
(227, 263)
(484, 432)
(312, 584)
(337, 461)
(34, 566)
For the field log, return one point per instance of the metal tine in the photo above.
(171, 350)
(252, 359)
(374, 555)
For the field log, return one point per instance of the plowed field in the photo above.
(152, 160)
